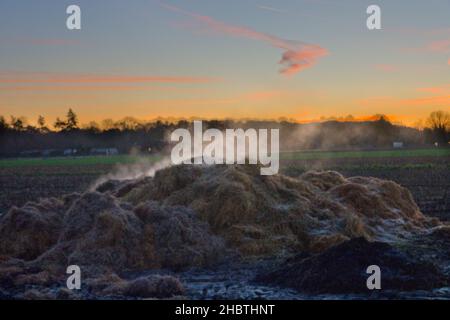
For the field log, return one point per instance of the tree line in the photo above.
(17, 137)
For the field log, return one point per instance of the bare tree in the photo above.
(439, 124)
(107, 124)
(439, 120)
(91, 126)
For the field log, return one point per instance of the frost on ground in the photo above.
(198, 217)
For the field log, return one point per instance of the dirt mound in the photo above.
(178, 237)
(29, 231)
(347, 272)
(266, 214)
(193, 216)
(100, 234)
(324, 180)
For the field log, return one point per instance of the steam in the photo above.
(140, 169)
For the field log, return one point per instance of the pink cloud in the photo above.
(439, 46)
(296, 55)
(99, 87)
(435, 101)
(436, 90)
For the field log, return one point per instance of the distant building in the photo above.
(104, 151)
(397, 145)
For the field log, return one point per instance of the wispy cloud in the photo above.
(45, 77)
(436, 90)
(293, 14)
(438, 46)
(431, 101)
(100, 87)
(435, 46)
(40, 41)
(267, 8)
(412, 31)
(296, 56)
(442, 100)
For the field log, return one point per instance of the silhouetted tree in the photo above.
(439, 124)
(41, 121)
(18, 124)
(128, 133)
(439, 120)
(41, 124)
(128, 123)
(385, 131)
(59, 124)
(92, 127)
(3, 124)
(107, 124)
(72, 120)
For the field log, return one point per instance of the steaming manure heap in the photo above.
(192, 217)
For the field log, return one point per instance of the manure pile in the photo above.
(192, 216)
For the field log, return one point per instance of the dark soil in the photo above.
(316, 275)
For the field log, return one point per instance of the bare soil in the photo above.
(428, 179)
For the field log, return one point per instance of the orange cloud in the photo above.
(63, 88)
(296, 56)
(435, 101)
(184, 103)
(94, 87)
(436, 90)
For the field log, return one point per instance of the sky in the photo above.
(298, 59)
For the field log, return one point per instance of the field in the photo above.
(399, 153)
(25, 180)
(68, 161)
(237, 260)
(425, 172)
